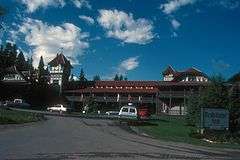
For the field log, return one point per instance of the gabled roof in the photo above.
(189, 72)
(169, 70)
(193, 70)
(13, 70)
(179, 74)
(59, 59)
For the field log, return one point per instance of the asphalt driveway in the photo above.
(78, 138)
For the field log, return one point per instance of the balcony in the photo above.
(112, 99)
(176, 94)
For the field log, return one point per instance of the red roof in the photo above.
(190, 71)
(178, 75)
(169, 70)
(113, 90)
(126, 83)
(59, 59)
(149, 87)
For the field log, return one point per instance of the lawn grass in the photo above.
(175, 129)
(18, 117)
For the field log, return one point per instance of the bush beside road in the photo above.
(17, 117)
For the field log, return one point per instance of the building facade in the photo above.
(59, 69)
(189, 75)
(169, 96)
(13, 75)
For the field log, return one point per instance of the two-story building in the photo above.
(169, 96)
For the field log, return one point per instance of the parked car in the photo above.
(20, 103)
(59, 107)
(143, 112)
(112, 113)
(128, 111)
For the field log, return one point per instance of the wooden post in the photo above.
(170, 100)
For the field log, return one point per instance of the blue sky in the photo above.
(137, 38)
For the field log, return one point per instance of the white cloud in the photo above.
(174, 35)
(121, 25)
(230, 4)
(87, 19)
(173, 5)
(95, 38)
(82, 3)
(220, 65)
(128, 64)
(46, 40)
(175, 24)
(33, 5)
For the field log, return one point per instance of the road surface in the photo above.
(78, 138)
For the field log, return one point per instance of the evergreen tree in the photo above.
(116, 78)
(96, 78)
(82, 76)
(29, 64)
(67, 72)
(21, 64)
(7, 57)
(125, 79)
(215, 95)
(41, 70)
(120, 77)
(10, 52)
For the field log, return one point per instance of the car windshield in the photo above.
(125, 110)
(120, 79)
(132, 110)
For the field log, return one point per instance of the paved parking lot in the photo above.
(78, 138)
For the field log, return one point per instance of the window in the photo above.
(55, 81)
(125, 110)
(191, 78)
(132, 110)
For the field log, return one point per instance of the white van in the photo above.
(128, 112)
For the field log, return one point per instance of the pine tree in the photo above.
(96, 78)
(29, 64)
(67, 72)
(41, 70)
(120, 77)
(116, 78)
(10, 51)
(21, 64)
(82, 76)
